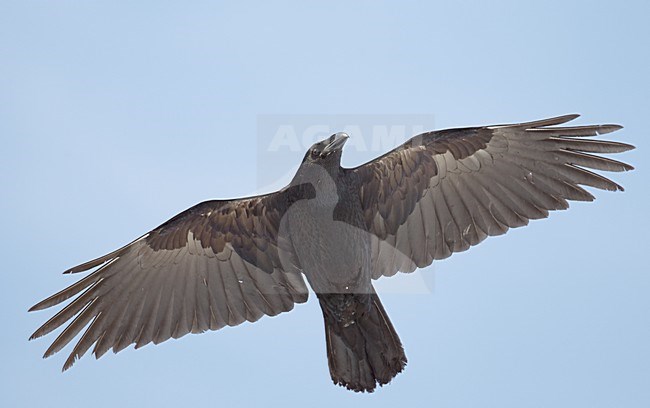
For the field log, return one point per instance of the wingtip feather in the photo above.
(609, 128)
(42, 305)
(69, 362)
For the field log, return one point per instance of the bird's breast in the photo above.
(334, 252)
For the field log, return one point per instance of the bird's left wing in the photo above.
(217, 264)
(444, 191)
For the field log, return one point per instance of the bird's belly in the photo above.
(334, 255)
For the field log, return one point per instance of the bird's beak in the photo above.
(336, 143)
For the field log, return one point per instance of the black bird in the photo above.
(224, 262)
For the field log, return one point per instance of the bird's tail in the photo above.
(363, 353)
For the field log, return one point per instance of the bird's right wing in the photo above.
(444, 191)
(218, 264)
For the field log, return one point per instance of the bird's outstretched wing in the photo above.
(444, 191)
(217, 264)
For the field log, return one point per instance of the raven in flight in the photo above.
(224, 262)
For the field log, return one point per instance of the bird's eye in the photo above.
(314, 153)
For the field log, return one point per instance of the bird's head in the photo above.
(322, 163)
(327, 152)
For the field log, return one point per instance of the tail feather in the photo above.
(365, 353)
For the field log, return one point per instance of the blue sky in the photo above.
(115, 116)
